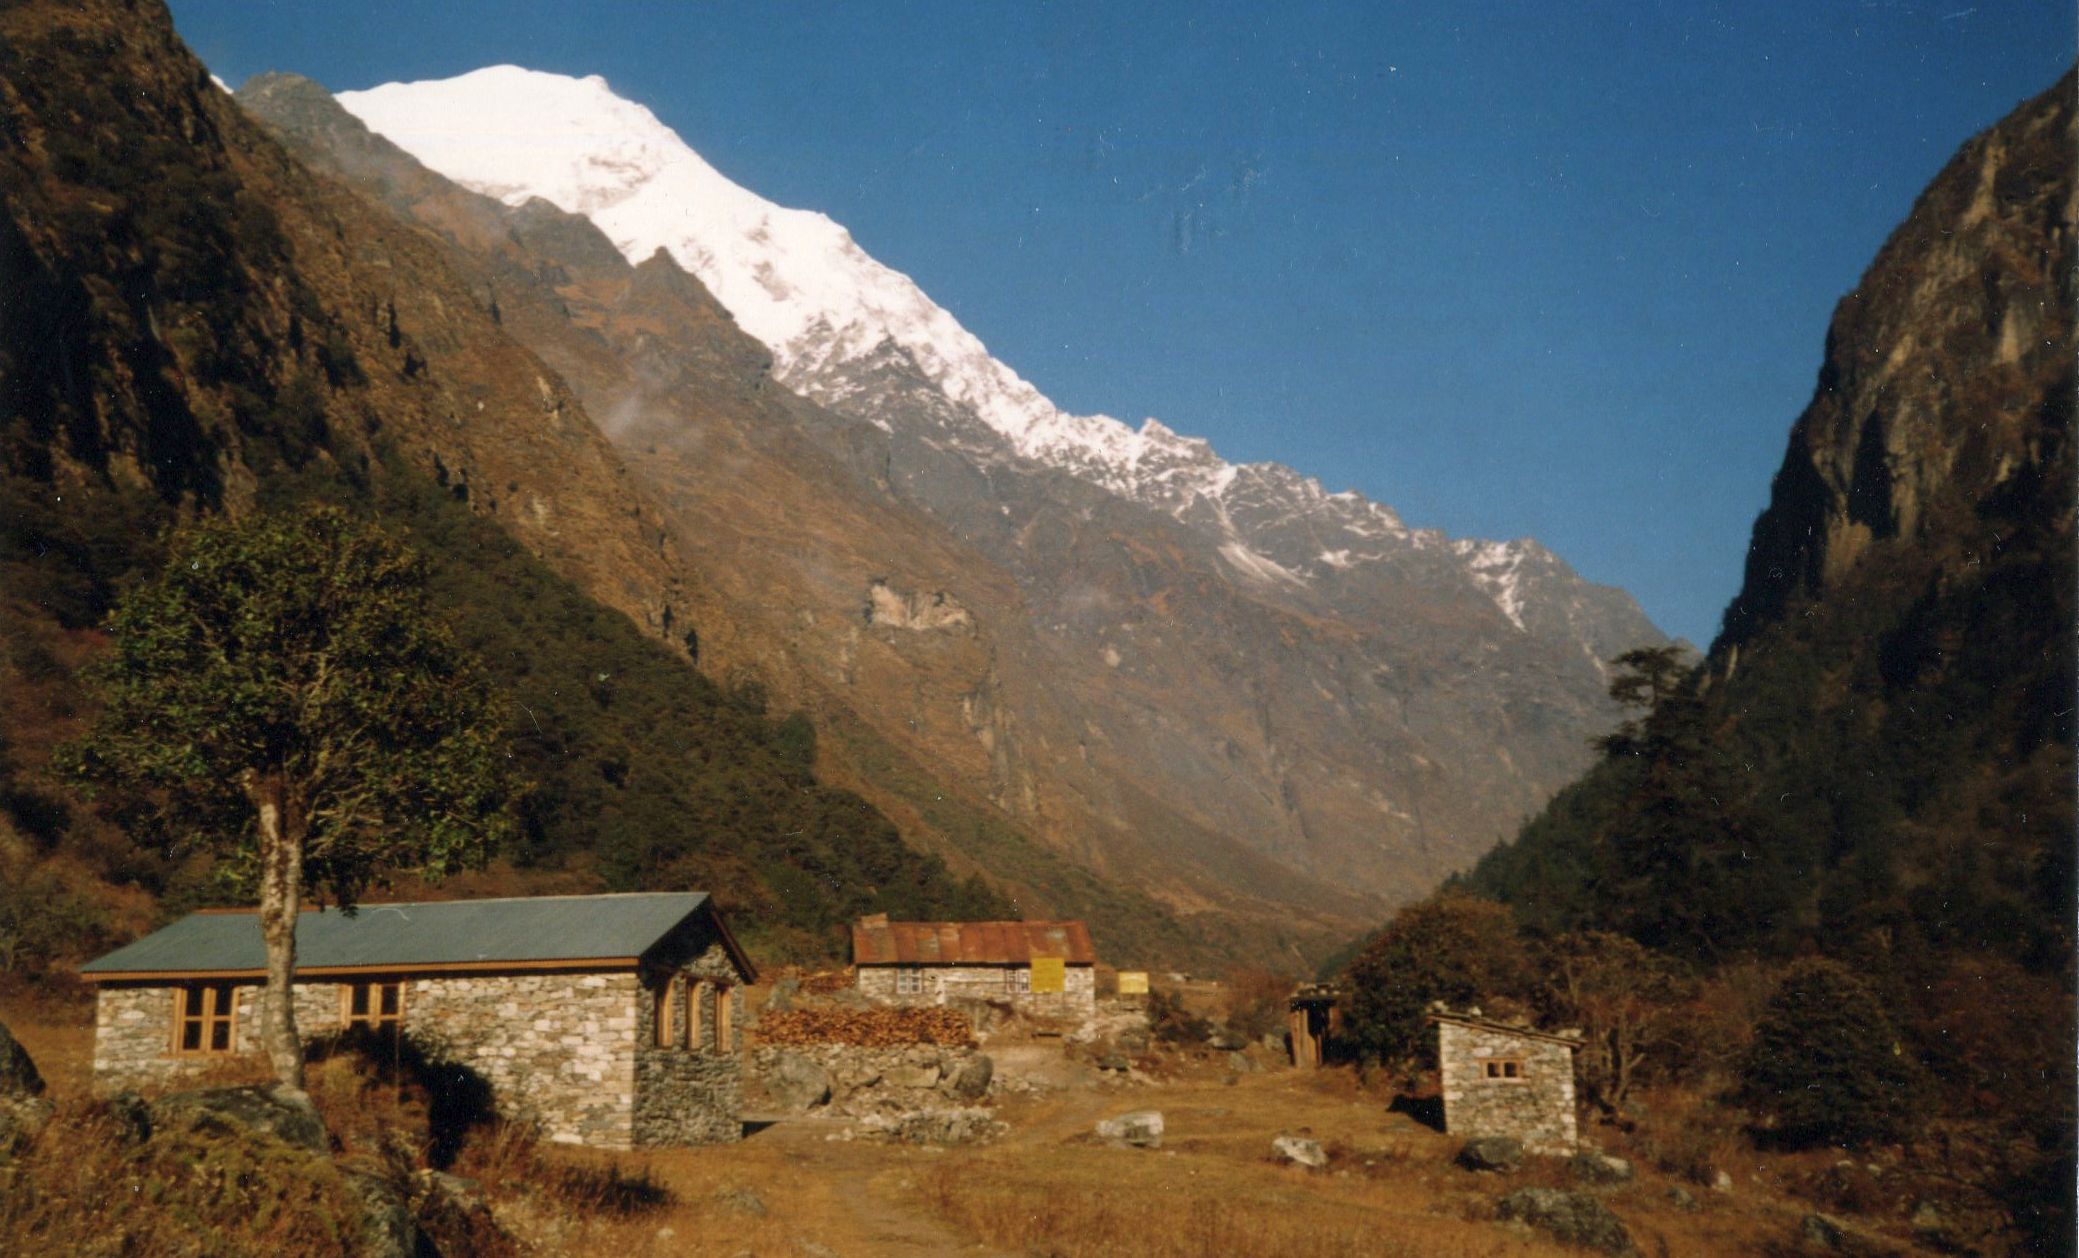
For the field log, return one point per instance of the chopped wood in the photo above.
(866, 1028)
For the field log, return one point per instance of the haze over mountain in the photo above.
(1173, 667)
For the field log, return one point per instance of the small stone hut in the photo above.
(607, 1020)
(931, 963)
(1505, 1080)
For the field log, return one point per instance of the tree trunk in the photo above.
(281, 901)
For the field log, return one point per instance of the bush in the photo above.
(1171, 1022)
(1254, 1002)
(1827, 1066)
(1454, 949)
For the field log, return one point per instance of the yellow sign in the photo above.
(1049, 974)
(1133, 982)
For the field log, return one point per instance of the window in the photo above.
(909, 980)
(660, 1013)
(1014, 979)
(203, 1018)
(722, 1039)
(696, 994)
(373, 1005)
(1502, 1069)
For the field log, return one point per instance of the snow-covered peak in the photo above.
(797, 281)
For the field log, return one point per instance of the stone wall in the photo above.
(1536, 1107)
(558, 1049)
(866, 1081)
(997, 984)
(691, 1095)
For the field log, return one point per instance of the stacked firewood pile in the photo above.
(865, 1028)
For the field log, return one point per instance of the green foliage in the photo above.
(1452, 948)
(1827, 1066)
(291, 659)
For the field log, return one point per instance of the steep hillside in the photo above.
(192, 323)
(1222, 684)
(1876, 759)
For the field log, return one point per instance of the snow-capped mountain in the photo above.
(797, 281)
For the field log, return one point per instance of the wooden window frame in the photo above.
(909, 980)
(725, 1024)
(1502, 1070)
(375, 1019)
(660, 1012)
(696, 1001)
(213, 996)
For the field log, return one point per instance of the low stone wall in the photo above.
(1536, 1107)
(879, 1081)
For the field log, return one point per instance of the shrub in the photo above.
(1827, 1066)
(1253, 1002)
(1453, 949)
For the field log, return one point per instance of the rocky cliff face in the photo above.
(1937, 443)
(1220, 684)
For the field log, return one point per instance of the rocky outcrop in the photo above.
(1572, 1218)
(286, 1114)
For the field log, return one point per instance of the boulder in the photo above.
(387, 1230)
(743, 1201)
(1721, 1182)
(939, 1126)
(284, 1113)
(453, 1217)
(1307, 1153)
(1114, 1061)
(795, 1082)
(920, 1077)
(1239, 1063)
(131, 1116)
(1572, 1218)
(1822, 1231)
(1682, 1198)
(1142, 1129)
(971, 1081)
(1501, 1154)
(18, 1074)
(1590, 1167)
(1226, 1041)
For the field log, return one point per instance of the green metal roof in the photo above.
(441, 933)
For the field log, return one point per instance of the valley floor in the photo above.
(803, 1187)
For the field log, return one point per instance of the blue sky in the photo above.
(1549, 270)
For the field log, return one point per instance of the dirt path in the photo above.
(874, 1184)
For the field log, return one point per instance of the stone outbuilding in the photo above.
(1501, 1079)
(1047, 969)
(607, 1020)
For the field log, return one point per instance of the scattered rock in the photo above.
(1114, 1061)
(1590, 1167)
(453, 1217)
(1927, 1217)
(1239, 1063)
(1307, 1153)
(1274, 1042)
(1502, 1154)
(131, 1116)
(937, 1126)
(284, 1113)
(1682, 1197)
(1142, 1129)
(1821, 1230)
(971, 1081)
(387, 1230)
(783, 994)
(810, 1249)
(1226, 1041)
(743, 1201)
(1721, 1182)
(796, 1083)
(920, 1077)
(1572, 1218)
(18, 1074)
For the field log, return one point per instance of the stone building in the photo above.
(932, 963)
(1505, 1080)
(606, 1020)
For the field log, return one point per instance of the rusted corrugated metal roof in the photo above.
(877, 941)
